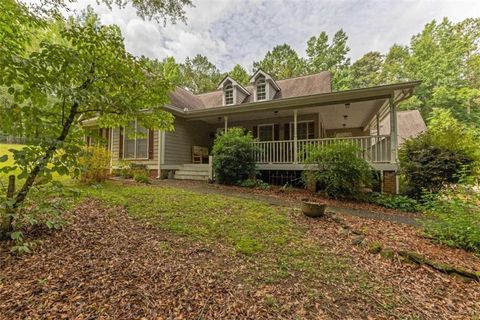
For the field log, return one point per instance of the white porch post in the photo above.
(226, 123)
(295, 142)
(393, 131)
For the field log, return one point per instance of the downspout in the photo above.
(159, 154)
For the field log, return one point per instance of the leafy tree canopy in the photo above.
(282, 62)
(199, 74)
(82, 72)
(240, 75)
(366, 71)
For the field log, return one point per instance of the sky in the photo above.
(242, 31)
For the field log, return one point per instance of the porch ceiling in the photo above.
(333, 116)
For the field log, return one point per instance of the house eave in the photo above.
(338, 97)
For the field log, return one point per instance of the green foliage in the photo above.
(233, 157)
(199, 75)
(340, 173)
(366, 71)
(281, 63)
(428, 167)
(240, 75)
(455, 216)
(397, 202)
(440, 155)
(53, 82)
(141, 177)
(254, 183)
(332, 57)
(94, 164)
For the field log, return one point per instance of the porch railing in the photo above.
(373, 149)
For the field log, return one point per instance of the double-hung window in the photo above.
(228, 94)
(261, 90)
(305, 130)
(265, 132)
(135, 141)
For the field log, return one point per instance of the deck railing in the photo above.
(373, 149)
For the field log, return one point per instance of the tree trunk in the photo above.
(22, 194)
(6, 226)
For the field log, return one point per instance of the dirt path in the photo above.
(286, 201)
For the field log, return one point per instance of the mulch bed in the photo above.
(107, 265)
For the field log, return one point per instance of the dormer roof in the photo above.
(234, 83)
(267, 77)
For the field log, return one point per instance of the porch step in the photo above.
(192, 172)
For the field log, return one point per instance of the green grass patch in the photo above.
(267, 236)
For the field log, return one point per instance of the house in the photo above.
(284, 116)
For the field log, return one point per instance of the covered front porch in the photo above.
(284, 134)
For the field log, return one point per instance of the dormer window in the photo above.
(261, 90)
(228, 94)
(265, 87)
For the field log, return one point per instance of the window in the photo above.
(261, 90)
(305, 130)
(135, 141)
(265, 132)
(228, 94)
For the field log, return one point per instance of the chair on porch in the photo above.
(199, 154)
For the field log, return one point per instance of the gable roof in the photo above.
(268, 78)
(234, 84)
(409, 125)
(289, 88)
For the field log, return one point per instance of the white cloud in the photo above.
(237, 31)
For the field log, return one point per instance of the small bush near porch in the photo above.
(233, 160)
(340, 173)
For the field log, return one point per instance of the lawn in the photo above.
(133, 251)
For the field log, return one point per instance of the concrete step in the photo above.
(191, 177)
(184, 172)
(203, 167)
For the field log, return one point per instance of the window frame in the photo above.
(261, 83)
(302, 121)
(272, 125)
(135, 143)
(229, 89)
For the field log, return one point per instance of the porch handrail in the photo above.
(374, 149)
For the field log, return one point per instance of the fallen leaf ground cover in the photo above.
(162, 252)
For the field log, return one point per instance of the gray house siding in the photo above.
(151, 164)
(178, 143)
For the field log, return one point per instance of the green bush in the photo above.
(94, 163)
(233, 160)
(340, 173)
(255, 183)
(428, 166)
(454, 216)
(141, 177)
(397, 202)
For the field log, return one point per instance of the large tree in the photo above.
(281, 63)
(325, 56)
(199, 75)
(442, 56)
(85, 72)
(366, 71)
(240, 75)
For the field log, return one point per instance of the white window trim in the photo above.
(234, 96)
(135, 144)
(266, 125)
(267, 91)
(302, 121)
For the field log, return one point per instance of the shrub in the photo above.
(454, 216)
(427, 166)
(233, 160)
(398, 202)
(94, 163)
(142, 178)
(255, 183)
(340, 173)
